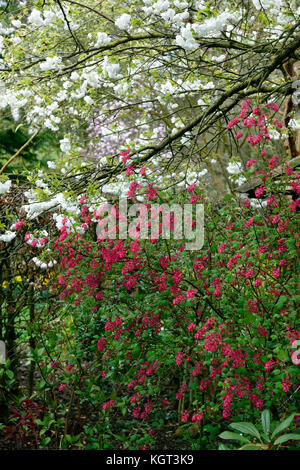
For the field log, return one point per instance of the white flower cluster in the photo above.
(35, 209)
(42, 264)
(185, 39)
(68, 205)
(119, 188)
(36, 18)
(180, 87)
(234, 168)
(89, 100)
(294, 124)
(51, 63)
(65, 145)
(51, 165)
(258, 203)
(168, 11)
(267, 4)
(5, 187)
(102, 39)
(7, 236)
(41, 184)
(274, 134)
(213, 26)
(16, 23)
(186, 178)
(111, 69)
(219, 58)
(123, 21)
(14, 100)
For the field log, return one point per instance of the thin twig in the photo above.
(19, 151)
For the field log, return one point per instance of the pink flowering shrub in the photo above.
(204, 334)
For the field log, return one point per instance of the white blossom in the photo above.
(35, 18)
(35, 209)
(267, 4)
(234, 168)
(274, 134)
(88, 100)
(5, 187)
(49, 16)
(160, 5)
(65, 145)
(51, 63)
(294, 124)
(40, 184)
(7, 236)
(185, 39)
(16, 40)
(213, 26)
(102, 39)
(51, 165)
(123, 21)
(111, 69)
(168, 15)
(181, 5)
(74, 76)
(16, 23)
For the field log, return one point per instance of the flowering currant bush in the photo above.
(204, 336)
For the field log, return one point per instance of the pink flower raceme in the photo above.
(109, 404)
(262, 331)
(260, 191)
(273, 162)
(232, 123)
(151, 192)
(125, 155)
(191, 188)
(19, 225)
(257, 282)
(185, 416)
(286, 384)
(269, 365)
(197, 417)
(102, 342)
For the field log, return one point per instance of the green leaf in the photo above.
(266, 420)
(251, 447)
(234, 436)
(46, 440)
(246, 428)
(9, 374)
(222, 447)
(285, 424)
(283, 355)
(287, 437)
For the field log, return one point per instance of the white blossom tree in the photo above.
(162, 78)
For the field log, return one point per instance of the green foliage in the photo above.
(13, 136)
(264, 435)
